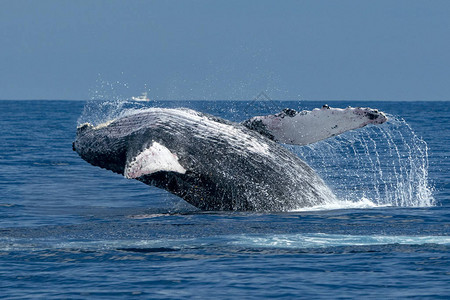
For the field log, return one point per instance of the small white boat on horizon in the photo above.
(142, 97)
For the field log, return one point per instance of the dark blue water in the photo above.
(71, 230)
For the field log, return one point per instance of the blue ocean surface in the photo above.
(69, 230)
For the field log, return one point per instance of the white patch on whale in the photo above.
(151, 160)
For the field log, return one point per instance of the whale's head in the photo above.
(134, 145)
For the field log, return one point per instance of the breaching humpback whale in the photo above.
(215, 164)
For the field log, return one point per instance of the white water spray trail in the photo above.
(108, 102)
(394, 175)
(378, 171)
(387, 164)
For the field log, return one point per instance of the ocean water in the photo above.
(69, 230)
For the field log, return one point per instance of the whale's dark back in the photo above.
(228, 166)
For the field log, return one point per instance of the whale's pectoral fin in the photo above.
(306, 127)
(151, 160)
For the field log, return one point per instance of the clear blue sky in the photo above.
(324, 50)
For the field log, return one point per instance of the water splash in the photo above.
(105, 90)
(107, 102)
(387, 165)
(98, 112)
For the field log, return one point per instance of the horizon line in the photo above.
(286, 100)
